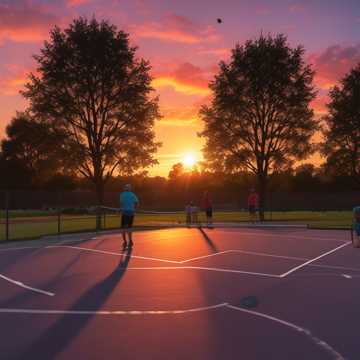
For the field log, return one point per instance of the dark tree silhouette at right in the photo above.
(259, 118)
(341, 132)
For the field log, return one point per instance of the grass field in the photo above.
(33, 224)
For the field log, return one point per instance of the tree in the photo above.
(91, 85)
(15, 174)
(259, 118)
(40, 149)
(176, 172)
(341, 132)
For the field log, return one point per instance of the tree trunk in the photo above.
(262, 183)
(99, 186)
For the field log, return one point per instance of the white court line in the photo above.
(321, 343)
(267, 255)
(110, 312)
(206, 256)
(112, 253)
(312, 260)
(21, 248)
(178, 261)
(289, 236)
(346, 276)
(335, 267)
(18, 283)
(204, 268)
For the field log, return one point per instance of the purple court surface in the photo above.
(179, 294)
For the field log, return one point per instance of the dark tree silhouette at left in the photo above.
(90, 84)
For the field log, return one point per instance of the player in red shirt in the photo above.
(253, 201)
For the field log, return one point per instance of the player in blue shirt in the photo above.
(128, 204)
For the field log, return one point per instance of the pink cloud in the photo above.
(179, 29)
(333, 63)
(12, 82)
(262, 10)
(297, 8)
(23, 22)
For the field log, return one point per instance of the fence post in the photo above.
(7, 205)
(98, 218)
(58, 214)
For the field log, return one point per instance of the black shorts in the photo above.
(208, 212)
(127, 220)
(252, 209)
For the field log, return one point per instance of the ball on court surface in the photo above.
(219, 20)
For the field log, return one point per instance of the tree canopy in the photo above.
(259, 118)
(341, 132)
(37, 147)
(90, 85)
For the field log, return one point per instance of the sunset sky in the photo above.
(184, 44)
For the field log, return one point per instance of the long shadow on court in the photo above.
(58, 336)
(208, 240)
(18, 300)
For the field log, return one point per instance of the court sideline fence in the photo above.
(30, 214)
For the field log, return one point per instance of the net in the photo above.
(111, 217)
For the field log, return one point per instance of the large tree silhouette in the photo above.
(341, 133)
(259, 117)
(90, 84)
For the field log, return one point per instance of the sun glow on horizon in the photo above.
(189, 160)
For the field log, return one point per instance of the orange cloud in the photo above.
(187, 116)
(185, 78)
(22, 22)
(177, 28)
(319, 105)
(219, 52)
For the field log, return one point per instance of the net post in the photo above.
(7, 224)
(98, 218)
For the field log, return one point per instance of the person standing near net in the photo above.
(253, 201)
(208, 208)
(128, 204)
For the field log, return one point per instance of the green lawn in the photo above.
(41, 223)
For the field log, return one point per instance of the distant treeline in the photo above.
(303, 188)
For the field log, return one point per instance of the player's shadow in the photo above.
(57, 337)
(19, 300)
(209, 242)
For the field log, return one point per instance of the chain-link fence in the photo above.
(31, 214)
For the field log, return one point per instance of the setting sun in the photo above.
(189, 160)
